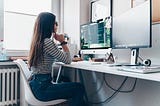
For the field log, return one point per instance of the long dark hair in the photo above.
(43, 28)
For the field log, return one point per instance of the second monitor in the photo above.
(96, 36)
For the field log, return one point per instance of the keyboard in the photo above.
(140, 69)
(117, 64)
(89, 63)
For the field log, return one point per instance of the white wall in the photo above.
(84, 11)
(72, 19)
(1, 19)
(56, 9)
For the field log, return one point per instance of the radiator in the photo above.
(8, 85)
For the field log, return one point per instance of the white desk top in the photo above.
(98, 67)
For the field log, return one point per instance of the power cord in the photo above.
(112, 96)
(122, 91)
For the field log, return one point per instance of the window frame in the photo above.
(12, 52)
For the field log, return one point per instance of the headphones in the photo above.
(145, 62)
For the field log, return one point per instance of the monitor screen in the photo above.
(96, 35)
(132, 28)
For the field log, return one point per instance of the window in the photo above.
(19, 18)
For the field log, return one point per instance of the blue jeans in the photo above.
(44, 90)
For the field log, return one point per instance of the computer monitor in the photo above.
(95, 38)
(132, 29)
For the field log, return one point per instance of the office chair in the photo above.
(29, 96)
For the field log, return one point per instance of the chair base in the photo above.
(63, 104)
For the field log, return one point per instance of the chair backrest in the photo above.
(29, 97)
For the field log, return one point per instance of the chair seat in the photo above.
(29, 97)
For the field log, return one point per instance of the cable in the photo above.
(122, 91)
(112, 96)
(140, 58)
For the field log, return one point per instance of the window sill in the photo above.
(20, 53)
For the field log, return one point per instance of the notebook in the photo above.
(140, 69)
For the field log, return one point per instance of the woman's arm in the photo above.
(51, 49)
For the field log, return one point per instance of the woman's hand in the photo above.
(59, 37)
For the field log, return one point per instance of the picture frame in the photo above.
(155, 11)
(100, 10)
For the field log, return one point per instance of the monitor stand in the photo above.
(133, 61)
(134, 56)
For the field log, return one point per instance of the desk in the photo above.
(112, 70)
(146, 93)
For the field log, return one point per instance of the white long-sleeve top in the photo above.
(51, 54)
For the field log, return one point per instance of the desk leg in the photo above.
(81, 79)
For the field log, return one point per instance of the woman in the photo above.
(43, 53)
